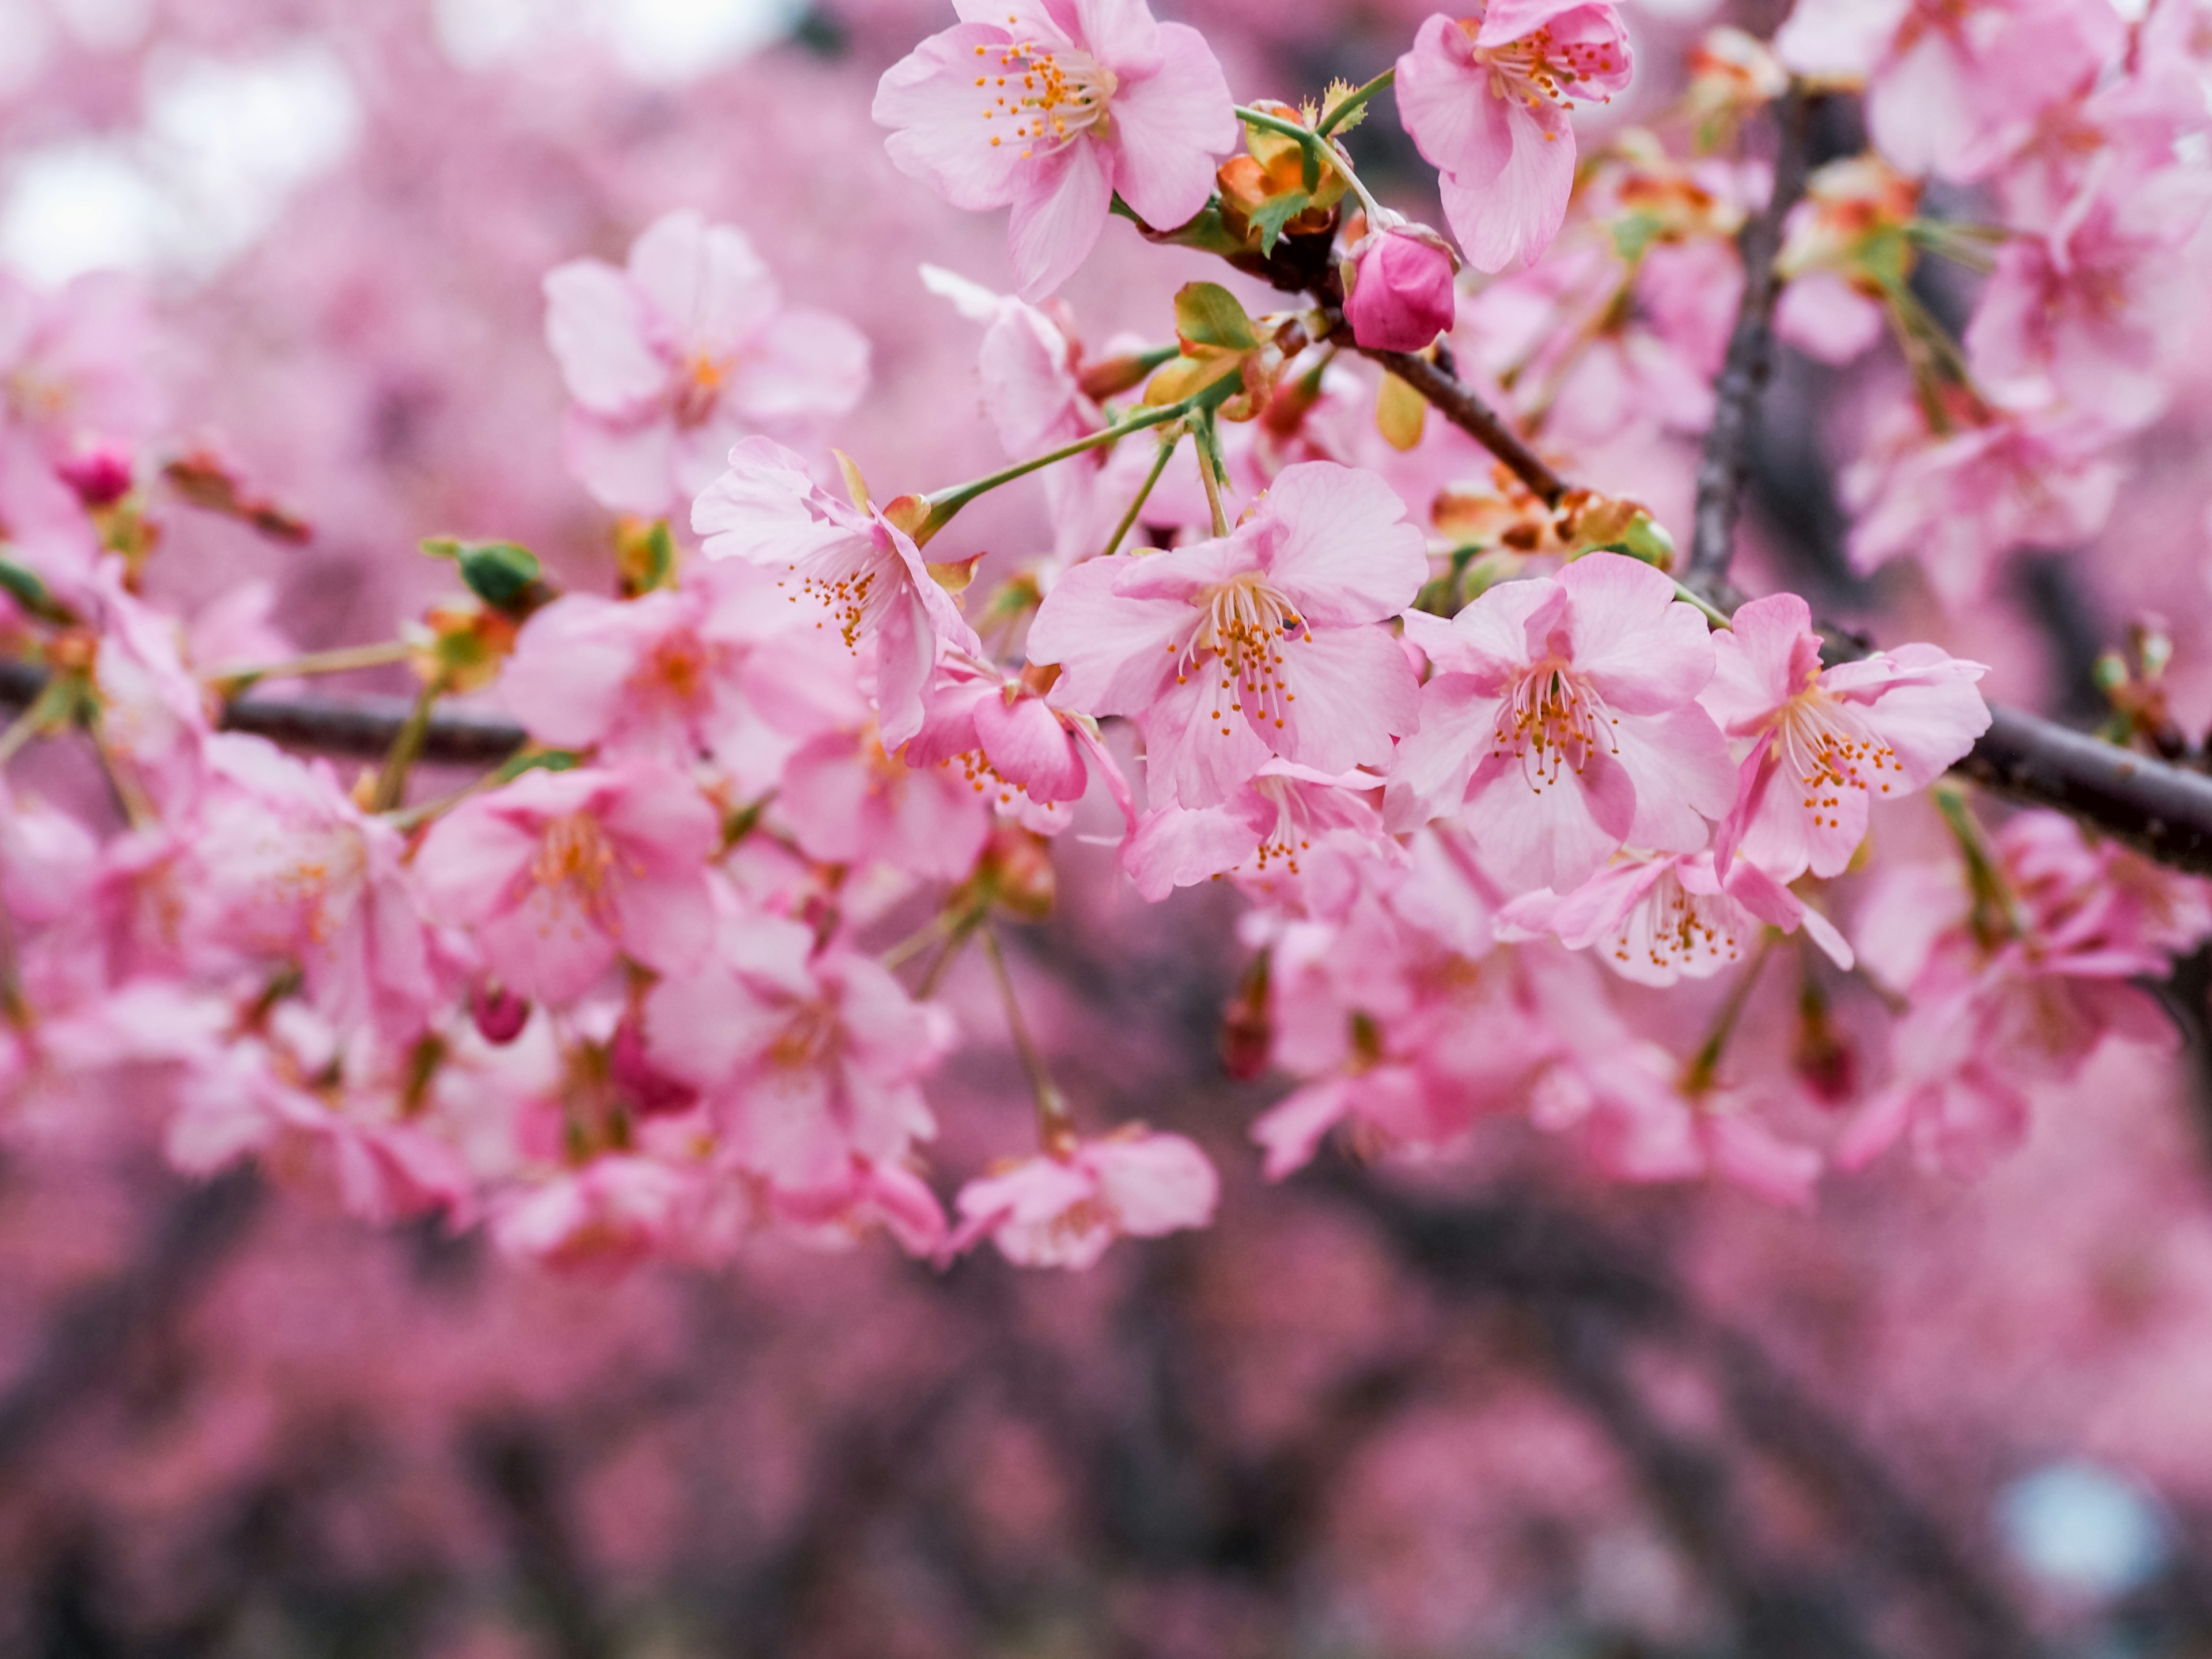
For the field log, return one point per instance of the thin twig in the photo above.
(1457, 402)
(1750, 358)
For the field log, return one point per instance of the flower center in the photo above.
(1555, 721)
(811, 1037)
(848, 581)
(1539, 67)
(1239, 639)
(1828, 748)
(573, 855)
(1044, 98)
(1678, 931)
(699, 389)
(1293, 831)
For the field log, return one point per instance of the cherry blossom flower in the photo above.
(862, 570)
(1012, 746)
(1660, 918)
(1262, 643)
(1400, 289)
(558, 873)
(1957, 502)
(810, 1060)
(284, 867)
(1818, 745)
(1054, 111)
(1951, 87)
(1486, 99)
(1063, 1209)
(610, 1214)
(1562, 722)
(1282, 823)
(675, 356)
(74, 382)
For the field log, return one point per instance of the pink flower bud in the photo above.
(499, 1014)
(101, 477)
(1401, 295)
(650, 1089)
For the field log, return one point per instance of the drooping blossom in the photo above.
(1263, 643)
(674, 357)
(1957, 502)
(1062, 1209)
(1952, 85)
(1562, 722)
(608, 1215)
(284, 867)
(1818, 746)
(1286, 822)
(864, 571)
(1005, 738)
(2016, 988)
(809, 1060)
(1660, 918)
(2094, 303)
(558, 873)
(1054, 109)
(1401, 288)
(1486, 99)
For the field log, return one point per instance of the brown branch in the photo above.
(1457, 402)
(1750, 358)
(363, 726)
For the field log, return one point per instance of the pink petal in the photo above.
(1168, 126)
(1553, 836)
(931, 97)
(1354, 690)
(1112, 651)
(1059, 208)
(600, 329)
(1643, 650)
(1513, 217)
(714, 290)
(810, 364)
(1340, 546)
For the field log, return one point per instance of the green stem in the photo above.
(1315, 148)
(1129, 519)
(1712, 613)
(933, 975)
(1706, 1066)
(1354, 102)
(912, 945)
(943, 503)
(406, 749)
(231, 681)
(22, 729)
(1209, 472)
(1055, 1129)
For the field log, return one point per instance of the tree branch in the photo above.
(1457, 402)
(1750, 358)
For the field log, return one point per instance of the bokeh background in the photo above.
(1486, 1409)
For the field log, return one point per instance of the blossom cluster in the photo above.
(1507, 807)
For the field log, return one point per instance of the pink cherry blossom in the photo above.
(1262, 643)
(1400, 290)
(659, 675)
(1951, 87)
(1012, 746)
(810, 1059)
(74, 381)
(1054, 108)
(1281, 825)
(676, 356)
(1957, 502)
(1562, 722)
(1660, 918)
(1063, 1209)
(285, 867)
(1486, 100)
(864, 571)
(610, 1214)
(1819, 745)
(561, 872)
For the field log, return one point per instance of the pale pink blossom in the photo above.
(2096, 303)
(1957, 502)
(1053, 107)
(1486, 100)
(810, 1059)
(850, 801)
(865, 572)
(662, 674)
(283, 867)
(675, 356)
(1952, 87)
(1062, 1209)
(1660, 918)
(74, 380)
(1263, 643)
(1286, 822)
(1562, 722)
(1818, 746)
(613, 1212)
(1011, 744)
(558, 873)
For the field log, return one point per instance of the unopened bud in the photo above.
(100, 475)
(650, 1091)
(499, 1013)
(1248, 1026)
(1401, 293)
(1822, 1055)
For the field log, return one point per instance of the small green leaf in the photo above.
(1276, 212)
(500, 573)
(1209, 320)
(543, 760)
(24, 587)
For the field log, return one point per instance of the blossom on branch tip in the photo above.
(679, 354)
(1562, 722)
(855, 564)
(1063, 1209)
(1263, 643)
(1485, 99)
(1054, 107)
(1818, 746)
